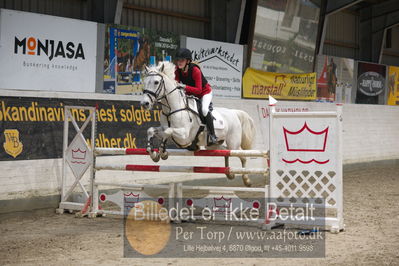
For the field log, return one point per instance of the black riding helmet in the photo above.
(183, 53)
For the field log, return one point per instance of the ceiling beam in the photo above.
(334, 6)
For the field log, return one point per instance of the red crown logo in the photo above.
(222, 203)
(306, 139)
(78, 154)
(131, 199)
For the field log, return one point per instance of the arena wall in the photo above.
(370, 134)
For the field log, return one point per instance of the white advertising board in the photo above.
(41, 52)
(221, 64)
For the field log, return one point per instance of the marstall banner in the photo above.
(40, 52)
(32, 128)
(370, 83)
(127, 50)
(334, 79)
(259, 85)
(393, 85)
(221, 64)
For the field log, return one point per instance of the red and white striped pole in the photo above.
(176, 152)
(180, 169)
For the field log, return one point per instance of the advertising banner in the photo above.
(37, 53)
(393, 85)
(127, 50)
(32, 128)
(221, 64)
(259, 85)
(285, 35)
(335, 77)
(370, 83)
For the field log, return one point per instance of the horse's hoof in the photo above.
(164, 155)
(246, 180)
(155, 156)
(231, 176)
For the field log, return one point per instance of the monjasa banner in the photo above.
(32, 128)
(37, 54)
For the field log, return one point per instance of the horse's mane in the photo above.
(168, 69)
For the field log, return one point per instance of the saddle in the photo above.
(199, 109)
(194, 146)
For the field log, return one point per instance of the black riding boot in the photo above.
(212, 139)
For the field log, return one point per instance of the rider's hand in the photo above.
(181, 85)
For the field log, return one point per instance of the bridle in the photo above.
(155, 95)
(157, 98)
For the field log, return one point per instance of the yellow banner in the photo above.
(259, 85)
(393, 86)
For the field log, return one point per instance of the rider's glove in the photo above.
(181, 85)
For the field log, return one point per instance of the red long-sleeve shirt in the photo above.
(198, 90)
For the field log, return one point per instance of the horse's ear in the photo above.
(146, 68)
(161, 67)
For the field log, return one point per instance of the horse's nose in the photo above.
(145, 104)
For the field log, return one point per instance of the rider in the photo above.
(195, 84)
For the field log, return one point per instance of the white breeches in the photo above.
(206, 101)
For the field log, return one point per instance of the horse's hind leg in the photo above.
(226, 163)
(234, 143)
(245, 177)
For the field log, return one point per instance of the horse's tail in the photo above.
(248, 130)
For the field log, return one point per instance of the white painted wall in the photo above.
(370, 133)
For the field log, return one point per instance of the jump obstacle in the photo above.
(305, 163)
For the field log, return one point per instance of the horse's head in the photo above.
(156, 83)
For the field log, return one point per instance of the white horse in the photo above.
(180, 120)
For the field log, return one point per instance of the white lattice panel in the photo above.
(306, 159)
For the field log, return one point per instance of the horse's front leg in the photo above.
(162, 150)
(163, 133)
(153, 132)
